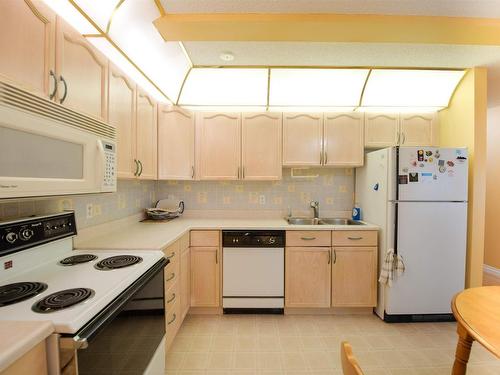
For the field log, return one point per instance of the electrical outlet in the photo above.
(262, 199)
(90, 211)
(97, 209)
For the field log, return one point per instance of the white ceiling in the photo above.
(451, 8)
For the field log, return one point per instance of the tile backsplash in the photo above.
(132, 197)
(333, 188)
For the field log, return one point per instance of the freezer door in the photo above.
(432, 174)
(432, 242)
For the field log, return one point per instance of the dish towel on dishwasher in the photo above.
(392, 267)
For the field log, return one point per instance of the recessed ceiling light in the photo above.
(226, 56)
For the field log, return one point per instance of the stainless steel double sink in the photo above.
(321, 221)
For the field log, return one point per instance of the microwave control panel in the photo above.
(109, 178)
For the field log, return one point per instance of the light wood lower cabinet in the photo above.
(307, 276)
(354, 277)
(33, 362)
(205, 277)
(185, 282)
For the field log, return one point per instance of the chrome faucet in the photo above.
(315, 207)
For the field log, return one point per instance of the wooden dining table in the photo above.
(477, 311)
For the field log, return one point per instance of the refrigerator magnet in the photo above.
(405, 170)
(461, 159)
(420, 155)
(442, 169)
(403, 179)
(421, 165)
(431, 160)
(450, 163)
(441, 162)
(428, 153)
(413, 163)
(426, 177)
(451, 173)
(413, 177)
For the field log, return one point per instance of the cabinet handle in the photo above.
(321, 157)
(136, 167)
(355, 238)
(173, 320)
(404, 138)
(398, 138)
(334, 256)
(61, 78)
(53, 93)
(171, 276)
(326, 158)
(243, 173)
(140, 164)
(216, 257)
(307, 238)
(329, 256)
(171, 256)
(192, 171)
(171, 299)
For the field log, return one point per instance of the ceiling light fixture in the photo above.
(226, 56)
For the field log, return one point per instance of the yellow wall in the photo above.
(463, 123)
(491, 242)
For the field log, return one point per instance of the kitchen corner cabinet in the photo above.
(205, 269)
(146, 133)
(307, 276)
(27, 42)
(175, 143)
(302, 139)
(343, 139)
(218, 144)
(82, 73)
(121, 114)
(261, 146)
(419, 129)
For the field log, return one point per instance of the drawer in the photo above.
(184, 241)
(172, 252)
(205, 238)
(354, 238)
(172, 294)
(172, 322)
(308, 238)
(172, 273)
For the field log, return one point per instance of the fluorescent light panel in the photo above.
(71, 15)
(399, 109)
(316, 87)
(225, 87)
(410, 88)
(100, 11)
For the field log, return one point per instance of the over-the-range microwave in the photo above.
(48, 149)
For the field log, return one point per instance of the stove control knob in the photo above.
(11, 237)
(272, 240)
(25, 234)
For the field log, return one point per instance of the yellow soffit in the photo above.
(329, 28)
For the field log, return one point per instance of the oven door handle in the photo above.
(101, 320)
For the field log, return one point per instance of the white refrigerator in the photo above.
(418, 197)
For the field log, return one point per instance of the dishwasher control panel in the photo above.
(253, 238)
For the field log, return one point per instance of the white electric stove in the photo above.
(89, 296)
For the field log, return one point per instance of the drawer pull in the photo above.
(334, 256)
(171, 256)
(173, 320)
(308, 238)
(171, 276)
(355, 238)
(329, 256)
(171, 299)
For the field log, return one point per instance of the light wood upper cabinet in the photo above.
(261, 146)
(418, 129)
(205, 277)
(175, 143)
(218, 137)
(354, 277)
(146, 125)
(121, 114)
(307, 276)
(185, 281)
(302, 139)
(82, 73)
(343, 139)
(27, 42)
(381, 129)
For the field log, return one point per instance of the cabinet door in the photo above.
(82, 73)
(205, 277)
(218, 142)
(307, 276)
(175, 144)
(354, 277)
(302, 139)
(121, 114)
(261, 146)
(27, 42)
(185, 282)
(418, 129)
(343, 139)
(381, 130)
(146, 130)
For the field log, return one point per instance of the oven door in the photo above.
(128, 336)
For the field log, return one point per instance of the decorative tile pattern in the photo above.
(277, 344)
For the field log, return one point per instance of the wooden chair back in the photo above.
(350, 365)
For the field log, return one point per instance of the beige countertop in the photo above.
(17, 338)
(156, 236)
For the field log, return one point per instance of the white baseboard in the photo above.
(491, 270)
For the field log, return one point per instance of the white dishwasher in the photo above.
(253, 271)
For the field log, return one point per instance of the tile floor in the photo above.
(275, 344)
